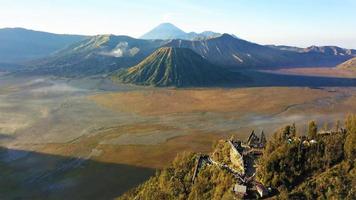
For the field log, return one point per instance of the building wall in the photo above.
(237, 160)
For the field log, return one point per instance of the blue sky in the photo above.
(290, 22)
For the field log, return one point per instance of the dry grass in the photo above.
(252, 100)
(162, 102)
(157, 156)
(151, 156)
(199, 116)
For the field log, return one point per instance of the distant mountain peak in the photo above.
(227, 36)
(164, 31)
(168, 27)
(168, 31)
(167, 24)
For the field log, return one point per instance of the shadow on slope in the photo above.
(33, 175)
(264, 79)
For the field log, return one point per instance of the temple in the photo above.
(256, 142)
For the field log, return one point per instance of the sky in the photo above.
(283, 22)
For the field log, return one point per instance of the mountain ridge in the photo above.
(19, 44)
(102, 54)
(330, 50)
(230, 51)
(96, 55)
(227, 50)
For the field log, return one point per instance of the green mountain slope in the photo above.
(18, 44)
(178, 67)
(350, 64)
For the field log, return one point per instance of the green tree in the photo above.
(293, 130)
(350, 142)
(326, 126)
(312, 129)
(350, 123)
(286, 133)
(337, 125)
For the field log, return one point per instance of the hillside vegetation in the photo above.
(320, 165)
(175, 182)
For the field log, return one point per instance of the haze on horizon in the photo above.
(289, 22)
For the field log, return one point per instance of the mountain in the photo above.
(164, 31)
(202, 36)
(330, 50)
(179, 67)
(350, 64)
(18, 44)
(103, 54)
(286, 48)
(168, 31)
(230, 51)
(227, 50)
(96, 55)
(327, 50)
(327, 55)
(11, 67)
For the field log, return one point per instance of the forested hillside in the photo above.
(316, 164)
(319, 165)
